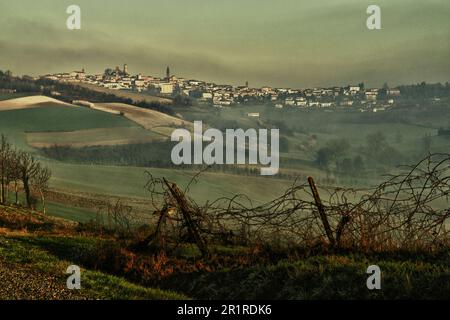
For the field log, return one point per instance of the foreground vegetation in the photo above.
(19, 250)
(114, 269)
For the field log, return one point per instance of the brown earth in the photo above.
(148, 119)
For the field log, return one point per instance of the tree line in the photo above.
(377, 151)
(21, 169)
(425, 90)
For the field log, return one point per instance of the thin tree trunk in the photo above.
(26, 187)
(43, 201)
(2, 188)
(16, 190)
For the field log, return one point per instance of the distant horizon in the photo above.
(235, 85)
(290, 44)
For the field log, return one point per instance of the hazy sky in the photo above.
(291, 43)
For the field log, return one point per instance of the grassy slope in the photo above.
(130, 181)
(405, 275)
(20, 247)
(324, 277)
(7, 96)
(93, 137)
(95, 284)
(332, 276)
(61, 210)
(15, 123)
(69, 212)
(145, 117)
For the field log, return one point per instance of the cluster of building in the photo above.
(350, 96)
(227, 95)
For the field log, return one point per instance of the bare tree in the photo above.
(5, 154)
(28, 167)
(19, 166)
(13, 174)
(40, 182)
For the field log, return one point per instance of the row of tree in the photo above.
(19, 169)
(377, 151)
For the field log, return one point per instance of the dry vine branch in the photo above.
(410, 209)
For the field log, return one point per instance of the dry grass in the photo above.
(15, 220)
(149, 119)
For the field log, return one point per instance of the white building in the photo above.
(289, 102)
(166, 88)
(207, 95)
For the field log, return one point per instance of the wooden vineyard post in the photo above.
(157, 234)
(183, 205)
(321, 210)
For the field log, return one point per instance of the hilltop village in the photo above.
(224, 95)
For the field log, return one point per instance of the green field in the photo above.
(93, 137)
(61, 210)
(130, 182)
(14, 124)
(42, 125)
(401, 129)
(7, 96)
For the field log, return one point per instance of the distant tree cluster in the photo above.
(332, 153)
(182, 101)
(23, 84)
(155, 155)
(425, 90)
(377, 152)
(444, 132)
(19, 168)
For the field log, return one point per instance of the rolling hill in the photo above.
(31, 271)
(30, 102)
(147, 118)
(52, 123)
